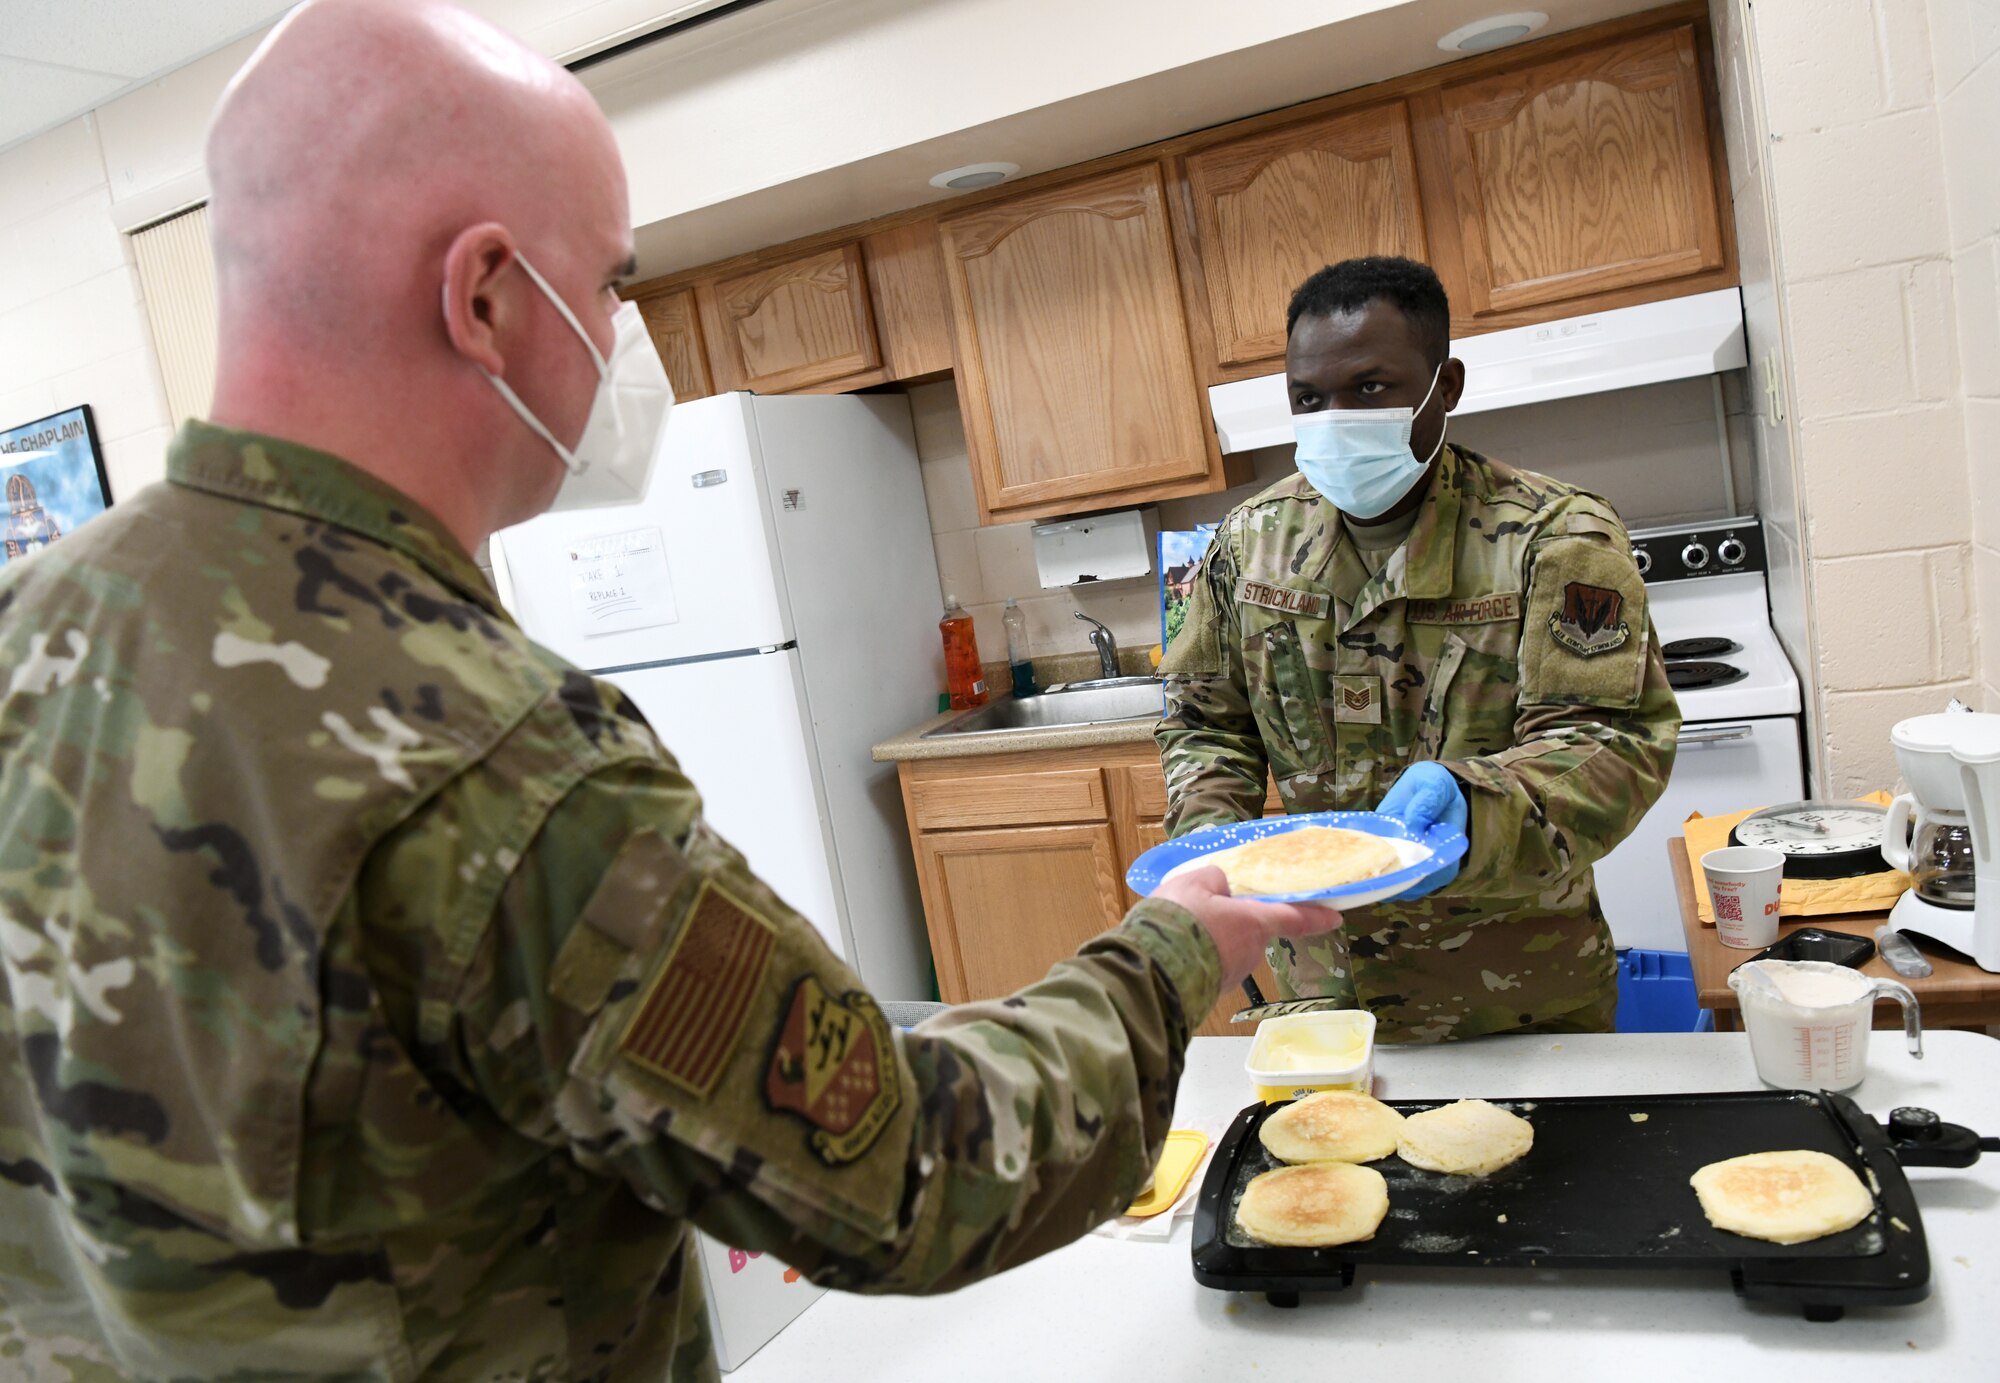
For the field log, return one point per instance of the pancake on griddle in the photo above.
(1304, 860)
(1469, 1138)
(1314, 1206)
(1331, 1126)
(1783, 1197)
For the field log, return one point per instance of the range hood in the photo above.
(1680, 338)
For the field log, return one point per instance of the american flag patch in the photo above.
(693, 1015)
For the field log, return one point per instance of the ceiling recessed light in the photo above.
(1494, 31)
(974, 175)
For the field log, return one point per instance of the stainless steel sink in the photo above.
(1075, 703)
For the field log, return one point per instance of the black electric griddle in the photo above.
(1601, 1189)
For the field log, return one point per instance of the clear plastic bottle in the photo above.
(1019, 665)
(964, 683)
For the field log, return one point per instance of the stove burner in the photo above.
(1694, 676)
(1701, 648)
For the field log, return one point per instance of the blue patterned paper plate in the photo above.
(1438, 848)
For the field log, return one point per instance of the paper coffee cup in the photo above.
(1743, 886)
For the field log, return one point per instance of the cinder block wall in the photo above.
(1845, 118)
(1965, 47)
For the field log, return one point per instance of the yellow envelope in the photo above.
(1801, 897)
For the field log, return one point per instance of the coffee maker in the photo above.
(1946, 832)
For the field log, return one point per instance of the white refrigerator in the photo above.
(771, 606)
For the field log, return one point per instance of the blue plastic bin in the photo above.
(1656, 994)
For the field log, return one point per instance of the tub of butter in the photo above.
(1331, 1049)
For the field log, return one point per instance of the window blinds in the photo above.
(178, 279)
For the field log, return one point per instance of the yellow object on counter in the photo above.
(1314, 1049)
(1294, 1056)
(1180, 1155)
(1801, 897)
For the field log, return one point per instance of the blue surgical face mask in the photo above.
(1360, 458)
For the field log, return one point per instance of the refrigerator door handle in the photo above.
(756, 651)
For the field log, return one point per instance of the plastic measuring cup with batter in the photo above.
(1809, 1021)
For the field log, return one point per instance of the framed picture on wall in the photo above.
(1181, 551)
(53, 473)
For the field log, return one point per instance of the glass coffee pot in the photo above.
(1938, 856)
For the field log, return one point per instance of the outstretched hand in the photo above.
(1425, 795)
(1242, 927)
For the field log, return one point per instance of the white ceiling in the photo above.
(60, 58)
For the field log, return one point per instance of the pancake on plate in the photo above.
(1470, 1138)
(1331, 1126)
(1314, 1206)
(1785, 1197)
(1301, 861)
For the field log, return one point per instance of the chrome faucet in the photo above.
(1104, 643)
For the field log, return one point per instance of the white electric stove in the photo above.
(1740, 740)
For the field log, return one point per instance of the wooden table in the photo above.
(1956, 994)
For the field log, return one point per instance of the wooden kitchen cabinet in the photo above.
(1075, 374)
(1021, 858)
(787, 326)
(862, 312)
(1576, 180)
(1084, 311)
(675, 326)
(1019, 899)
(1269, 209)
(912, 302)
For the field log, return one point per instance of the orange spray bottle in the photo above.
(963, 679)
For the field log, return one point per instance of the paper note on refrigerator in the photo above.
(619, 581)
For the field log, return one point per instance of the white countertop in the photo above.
(1117, 1310)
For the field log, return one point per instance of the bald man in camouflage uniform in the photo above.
(375, 1002)
(1505, 639)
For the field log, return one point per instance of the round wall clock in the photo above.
(1820, 840)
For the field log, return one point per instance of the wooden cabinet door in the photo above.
(797, 323)
(1005, 905)
(1584, 174)
(1075, 374)
(912, 303)
(1271, 209)
(675, 327)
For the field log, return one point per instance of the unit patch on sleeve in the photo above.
(1588, 623)
(1289, 599)
(833, 1064)
(693, 1015)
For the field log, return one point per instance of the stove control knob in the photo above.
(1908, 1125)
(1731, 552)
(1642, 559)
(1694, 556)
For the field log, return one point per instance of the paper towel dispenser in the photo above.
(1103, 547)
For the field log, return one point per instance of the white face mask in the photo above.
(1360, 458)
(612, 461)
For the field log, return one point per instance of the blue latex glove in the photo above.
(1426, 794)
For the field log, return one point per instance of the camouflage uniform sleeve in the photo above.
(1596, 721)
(1210, 749)
(645, 1001)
